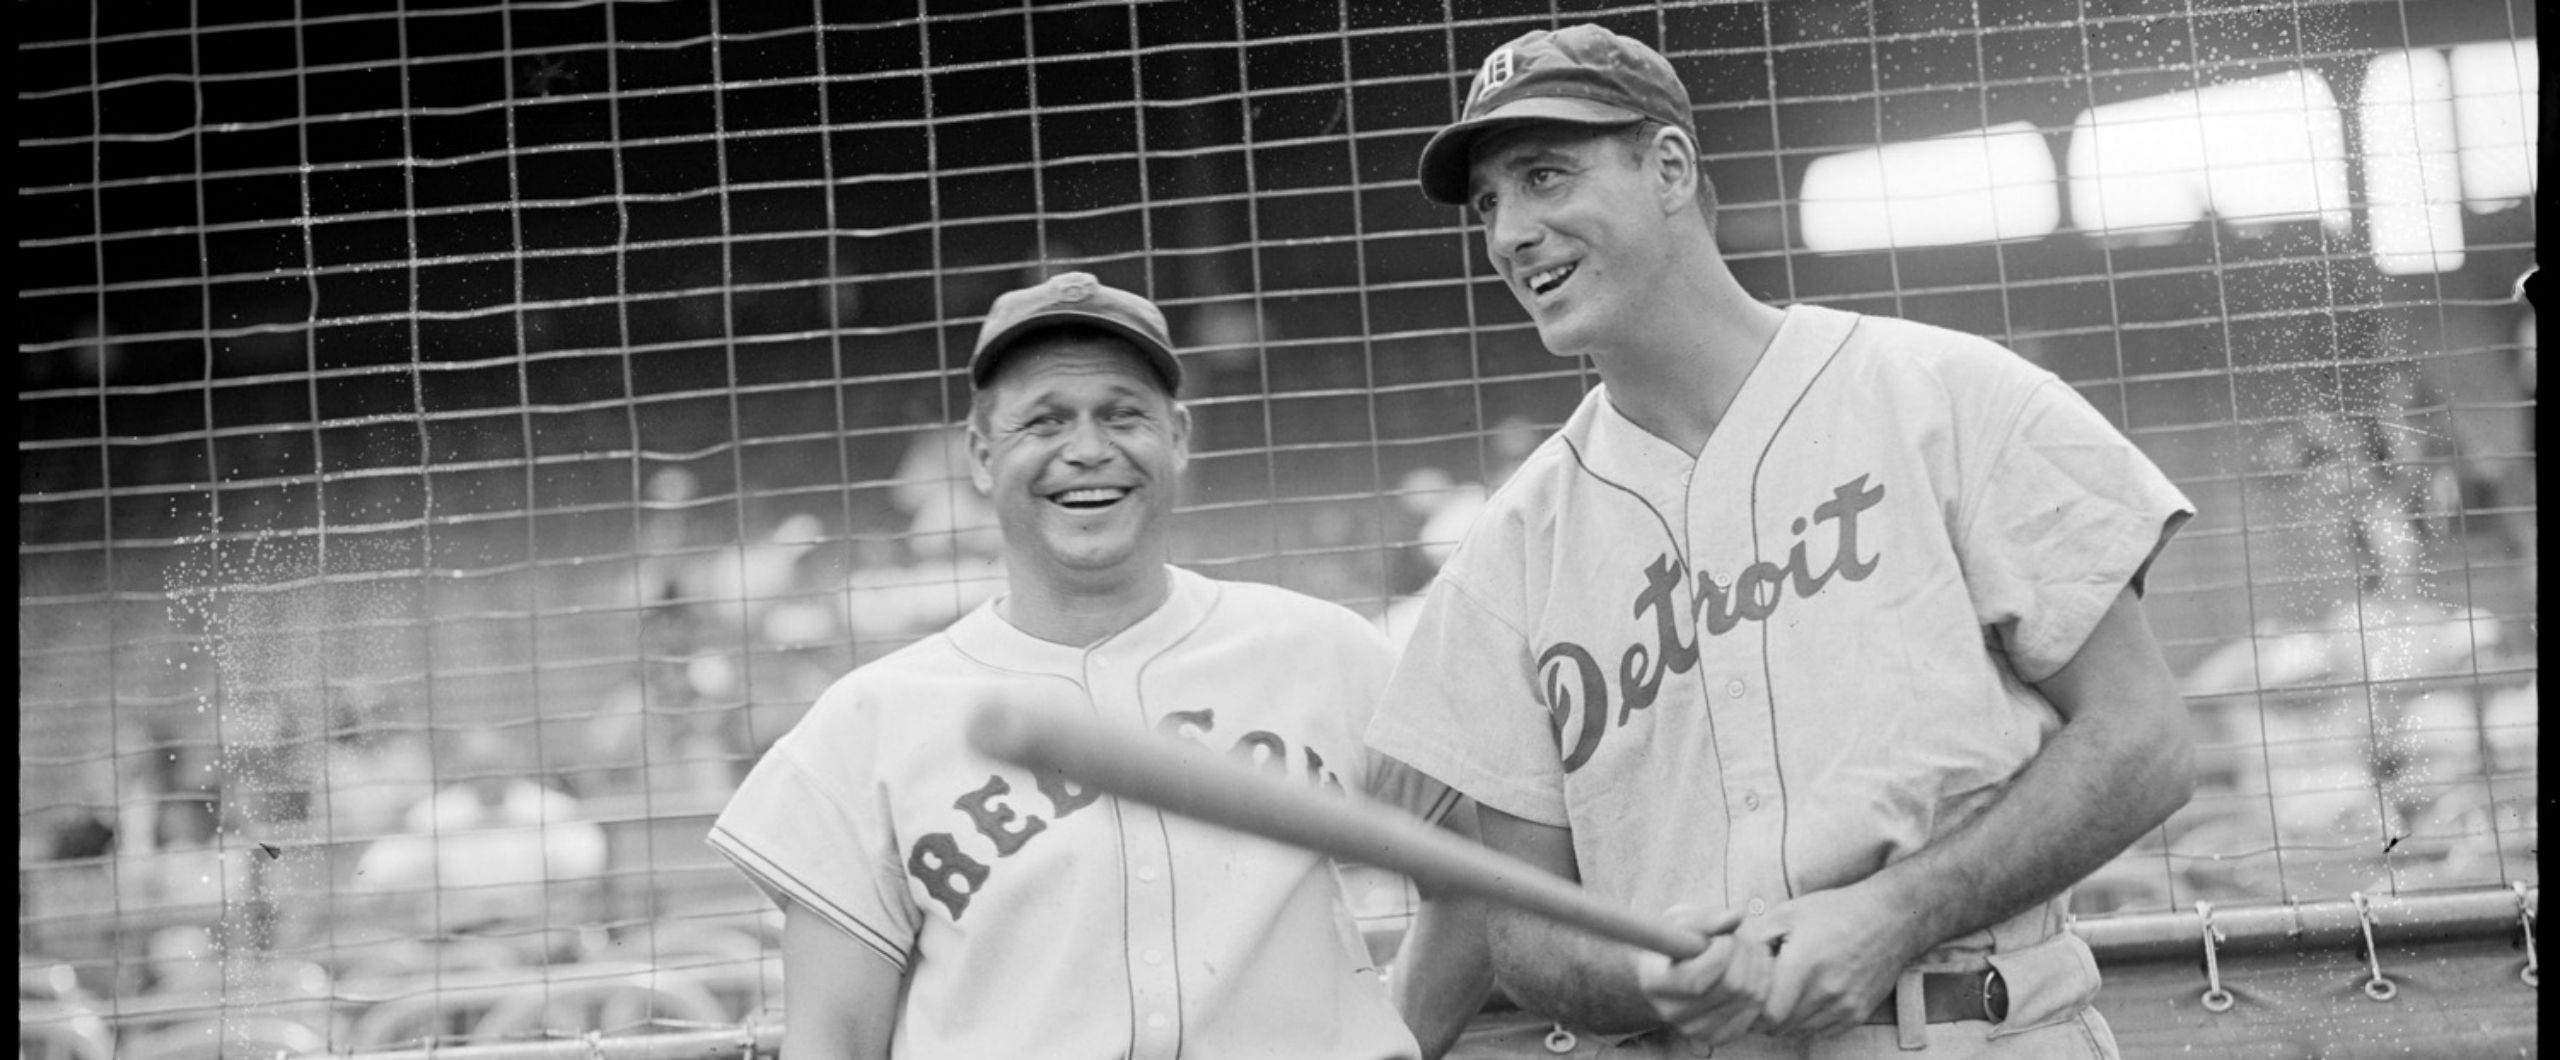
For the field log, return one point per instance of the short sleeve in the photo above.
(2066, 514)
(823, 838)
(1358, 654)
(1462, 706)
(1394, 782)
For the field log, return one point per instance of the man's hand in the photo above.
(2121, 763)
(1839, 953)
(1715, 996)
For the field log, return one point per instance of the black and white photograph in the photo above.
(1291, 529)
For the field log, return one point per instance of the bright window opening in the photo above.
(2497, 118)
(2412, 175)
(2256, 151)
(1976, 186)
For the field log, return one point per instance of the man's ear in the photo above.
(1181, 436)
(1675, 165)
(980, 456)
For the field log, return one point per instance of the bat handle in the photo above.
(1677, 943)
(1686, 944)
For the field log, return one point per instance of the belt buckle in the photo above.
(1994, 986)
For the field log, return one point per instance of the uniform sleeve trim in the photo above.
(1440, 807)
(2169, 527)
(780, 884)
(1466, 780)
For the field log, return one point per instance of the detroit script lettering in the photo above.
(1574, 677)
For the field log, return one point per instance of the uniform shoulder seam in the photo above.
(1478, 602)
(1974, 495)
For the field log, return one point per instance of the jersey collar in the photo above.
(986, 636)
(1805, 341)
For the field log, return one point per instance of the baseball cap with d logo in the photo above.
(1584, 74)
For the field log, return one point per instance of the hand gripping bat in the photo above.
(1198, 783)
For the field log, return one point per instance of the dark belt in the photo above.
(1955, 997)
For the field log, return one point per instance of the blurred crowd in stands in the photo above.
(341, 872)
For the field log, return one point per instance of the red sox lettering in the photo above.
(1575, 680)
(951, 875)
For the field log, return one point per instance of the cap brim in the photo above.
(1445, 159)
(983, 363)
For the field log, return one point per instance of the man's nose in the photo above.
(1087, 442)
(1510, 232)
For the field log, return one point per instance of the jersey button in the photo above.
(1757, 907)
(1154, 956)
(1156, 1021)
(1735, 688)
(1751, 800)
(1147, 873)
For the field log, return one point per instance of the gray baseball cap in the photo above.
(1075, 298)
(1584, 75)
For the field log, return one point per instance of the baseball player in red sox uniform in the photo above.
(941, 904)
(1824, 628)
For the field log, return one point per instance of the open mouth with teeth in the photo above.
(1545, 281)
(1089, 498)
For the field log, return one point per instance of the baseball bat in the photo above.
(1195, 782)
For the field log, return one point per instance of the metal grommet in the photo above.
(1560, 1041)
(2532, 974)
(2216, 999)
(2380, 987)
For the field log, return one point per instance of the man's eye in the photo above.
(1484, 203)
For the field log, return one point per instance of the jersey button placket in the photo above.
(1155, 986)
(1749, 751)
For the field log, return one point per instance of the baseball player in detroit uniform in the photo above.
(1822, 627)
(939, 903)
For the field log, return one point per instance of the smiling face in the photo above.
(1577, 224)
(1080, 449)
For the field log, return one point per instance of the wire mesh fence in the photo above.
(456, 440)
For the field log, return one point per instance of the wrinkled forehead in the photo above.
(1071, 351)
